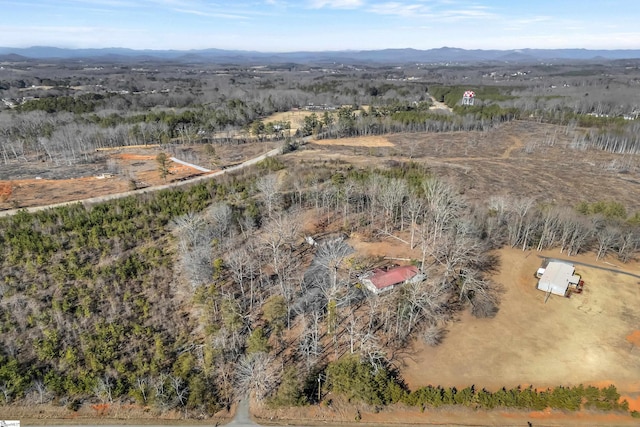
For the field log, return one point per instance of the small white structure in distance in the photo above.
(468, 98)
(557, 277)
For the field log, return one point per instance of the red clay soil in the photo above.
(5, 191)
(634, 338)
(129, 156)
(143, 169)
(37, 192)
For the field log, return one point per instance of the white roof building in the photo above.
(556, 278)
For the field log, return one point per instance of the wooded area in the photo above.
(184, 299)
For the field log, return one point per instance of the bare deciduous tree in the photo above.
(607, 236)
(269, 186)
(180, 390)
(627, 246)
(255, 373)
(42, 393)
(433, 335)
(103, 389)
(309, 341)
(414, 206)
(220, 217)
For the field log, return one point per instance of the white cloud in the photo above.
(210, 14)
(109, 3)
(441, 10)
(455, 15)
(337, 4)
(399, 9)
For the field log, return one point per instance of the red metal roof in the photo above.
(382, 279)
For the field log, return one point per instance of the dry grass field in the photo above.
(364, 141)
(584, 339)
(295, 117)
(519, 159)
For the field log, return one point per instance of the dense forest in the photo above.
(182, 299)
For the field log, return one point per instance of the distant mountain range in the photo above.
(383, 56)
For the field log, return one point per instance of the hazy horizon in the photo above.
(320, 25)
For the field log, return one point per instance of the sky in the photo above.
(319, 25)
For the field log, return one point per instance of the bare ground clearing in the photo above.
(565, 341)
(295, 117)
(519, 159)
(28, 184)
(364, 141)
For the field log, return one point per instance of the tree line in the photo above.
(357, 381)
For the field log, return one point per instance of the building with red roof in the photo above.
(378, 280)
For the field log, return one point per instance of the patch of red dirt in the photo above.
(129, 156)
(634, 403)
(634, 337)
(100, 408)
(540, 414)
(5, 191)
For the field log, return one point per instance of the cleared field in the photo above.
(61, 183)
(365, 141)
(585, 339)
(517, 159)
(295, 117)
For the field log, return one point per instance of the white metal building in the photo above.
(557, 277)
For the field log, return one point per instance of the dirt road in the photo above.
(108, 197)
(437, 105)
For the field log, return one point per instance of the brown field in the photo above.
(519, 159)
(142, 169)
(295, 117)
(583, 339)
(592, 338)
(364, 141)
(38, 184)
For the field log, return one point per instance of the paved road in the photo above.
(108, 197)
(242, 417)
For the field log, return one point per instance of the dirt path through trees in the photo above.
(437, 105)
